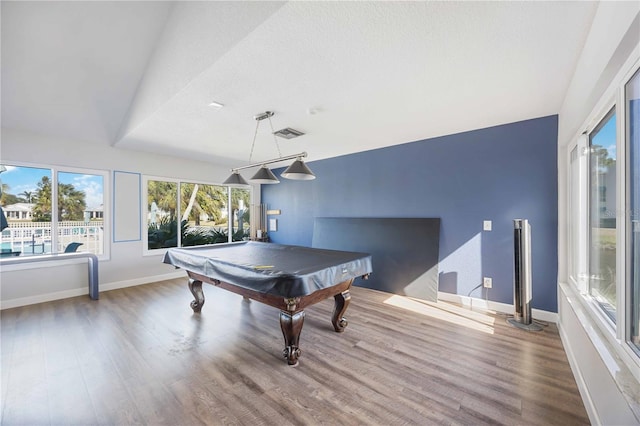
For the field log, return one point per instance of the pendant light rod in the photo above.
(275, 160)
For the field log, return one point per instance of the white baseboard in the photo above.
(41, 298)
(48, 297)
(144, 280)
(488, 305)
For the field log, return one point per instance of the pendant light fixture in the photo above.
(235, 179)
(264, 175)
(298, 170)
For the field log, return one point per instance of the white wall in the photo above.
(126, 266)
(607, 381)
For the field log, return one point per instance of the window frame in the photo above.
(624, 296)
(617, 335)
(625, 190)
(599, 124)
(577, 273)
(106, 194)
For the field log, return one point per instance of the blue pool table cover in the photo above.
(276, 269)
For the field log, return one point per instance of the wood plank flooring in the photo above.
(140, 356)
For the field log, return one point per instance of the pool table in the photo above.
(286, 277)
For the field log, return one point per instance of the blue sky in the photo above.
(21, 179)
(606, 136)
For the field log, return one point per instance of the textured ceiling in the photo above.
(140, 75)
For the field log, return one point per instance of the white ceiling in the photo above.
(140, 75)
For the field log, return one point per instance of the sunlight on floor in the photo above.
(443, 311)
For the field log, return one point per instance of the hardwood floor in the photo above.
(140, 356)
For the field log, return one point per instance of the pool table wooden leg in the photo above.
(340, 307)
(195, 286)
(291, 325)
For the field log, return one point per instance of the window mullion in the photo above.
(583, 209)
(622, 329)
(229, 215)
(54, 211)
(179, 213)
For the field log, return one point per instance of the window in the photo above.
(632, 104)
(204, 214)
(602, 215)
(162, 208)
(80, 212)
(36, 227)
(195, 215)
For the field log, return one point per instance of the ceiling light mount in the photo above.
(263, 115)
(298, 170)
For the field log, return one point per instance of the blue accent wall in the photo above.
(499, 173)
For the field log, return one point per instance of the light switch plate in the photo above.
(486, 225)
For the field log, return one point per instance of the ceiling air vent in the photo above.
(288, 133)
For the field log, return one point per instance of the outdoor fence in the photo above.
(35, 237)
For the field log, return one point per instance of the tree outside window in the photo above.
(29, 202)
(201, 217)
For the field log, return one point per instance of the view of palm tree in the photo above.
(28, 205)
(203, 212)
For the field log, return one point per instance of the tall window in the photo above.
(80, 212)
(41, 220)
(632, 103)
(181, 214)
(162, 208)
(602, 215)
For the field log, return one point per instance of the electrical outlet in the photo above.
(487, 282)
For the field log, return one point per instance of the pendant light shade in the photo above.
(235, 179)
(298, 171)
(265, 176)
